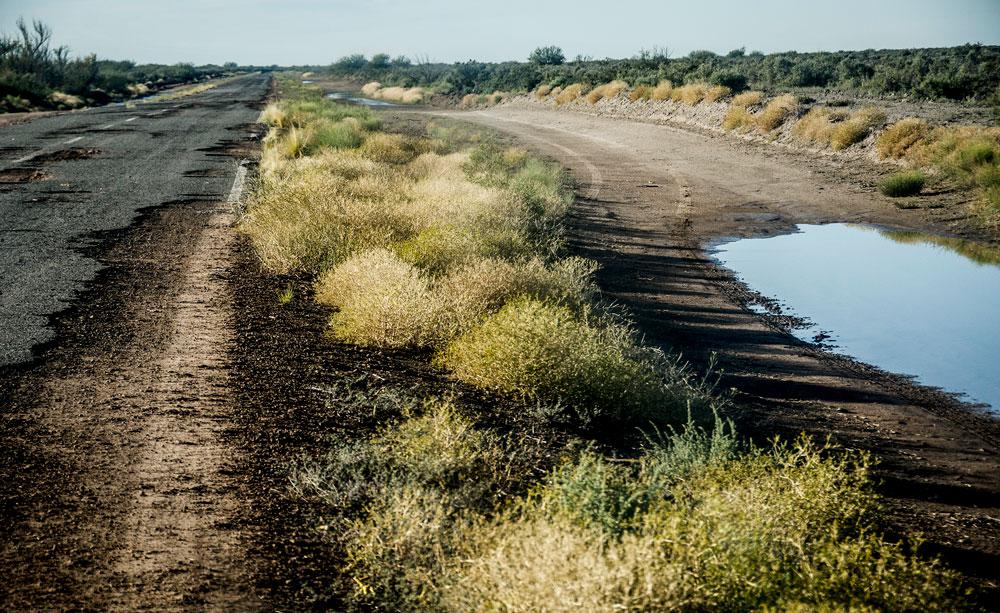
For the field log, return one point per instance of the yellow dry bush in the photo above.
(640, 92)
(856, 127)
(69, 100)
(570, 93)
(469, 101)
(390, 148)
(714, 94)
(738, 118)
(663, 90)
(307, 213)
(481, 287)
(747, 99)
(370, 89)
(543, 91)
(896, 140)
(776, 112)
(456, 220)
(274, 116)
(556, 91)
(381, 301)
(608, 90)
(690, 94)
(815, 126)
(400, 95)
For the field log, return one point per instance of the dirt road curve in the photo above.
(653, 195)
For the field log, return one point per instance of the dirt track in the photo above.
(652, 196)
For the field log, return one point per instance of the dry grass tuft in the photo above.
(641, 92)
(309, 213)
(776, 112)
(690, 94)
(402, 95)
(817, 125)
(714, 94)
(856, 127)
(546, 352)
(480, 288)
(370, 89)
(608, 90)
(896, 140)
(543, 91)
(663, 90)
(274, 116)
(382, 301)
(747, 99)
(570, 93)
(738, 118)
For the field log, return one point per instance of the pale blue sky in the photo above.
(319, 31)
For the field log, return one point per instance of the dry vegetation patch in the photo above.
(456, 245)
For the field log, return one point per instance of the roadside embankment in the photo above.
(592, 470)
(955, 148)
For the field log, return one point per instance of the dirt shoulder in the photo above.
(117, 494)
(651, 196)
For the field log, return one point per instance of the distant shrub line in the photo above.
(954, 73)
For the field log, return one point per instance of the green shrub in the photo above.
(545, 352)
(908, 183)
(974, 155)
(413, 486)
(343, 134)
(700, 527)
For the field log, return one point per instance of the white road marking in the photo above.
(131, 119)
(106, 127)
(27, 157)
(73, 140)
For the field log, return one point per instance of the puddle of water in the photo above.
(913, 304)
(358, 99)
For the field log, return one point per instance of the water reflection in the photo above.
(913, 304)
(346, 97)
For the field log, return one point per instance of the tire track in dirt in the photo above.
(176, 545)
(118, 489)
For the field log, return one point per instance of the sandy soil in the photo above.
(652, 196)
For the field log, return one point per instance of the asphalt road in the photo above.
(68, 180)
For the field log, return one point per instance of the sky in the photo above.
(297, 32)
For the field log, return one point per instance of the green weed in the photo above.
(908, 183)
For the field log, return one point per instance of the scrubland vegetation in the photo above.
(450, 245)
(968, 156)
(956, 73)
(36, 76)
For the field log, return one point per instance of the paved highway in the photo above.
(69, 179)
